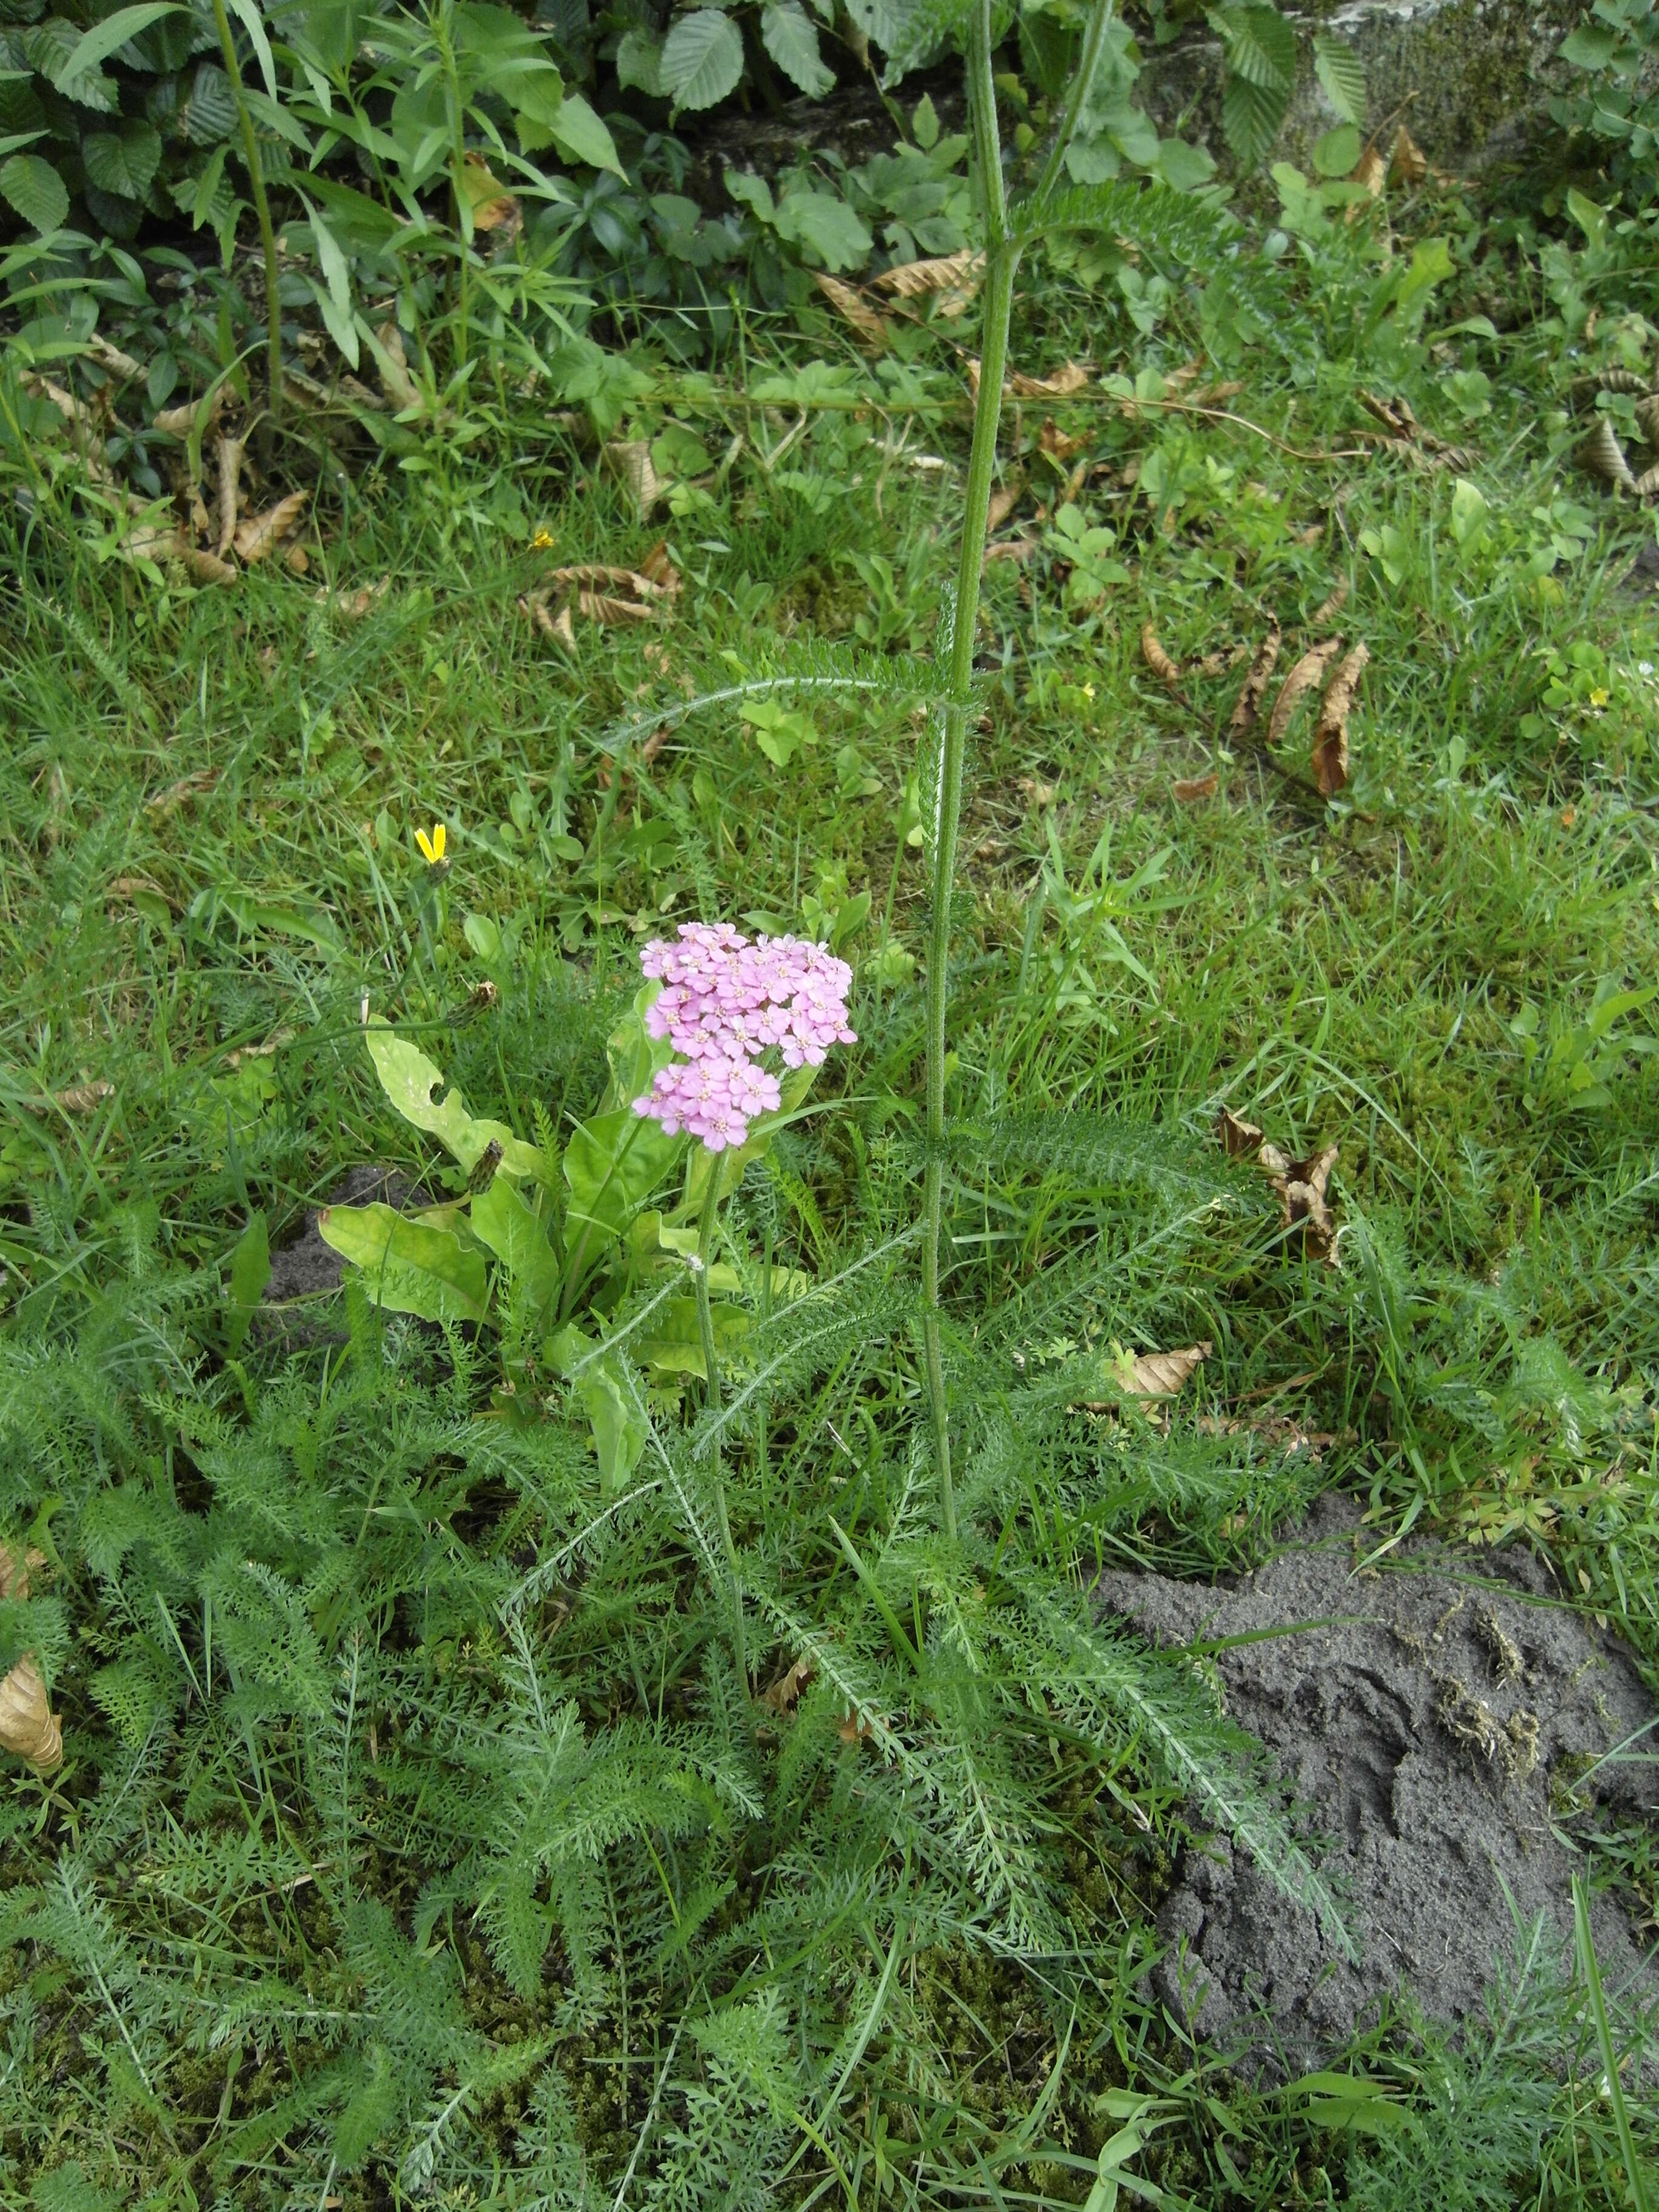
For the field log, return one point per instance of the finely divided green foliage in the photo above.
(416, 1828)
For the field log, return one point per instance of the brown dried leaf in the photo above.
(296, 560)
(1072, 378)
(259, 535)
(629, 460)
(28, 1727)
(207, 567)
(1601, 455)
(1040, 794)
(1329, 610)
(564, 630)
(1168, 671)
(1307, 672)
(1371, 171)
(952, 279)
(1408, 164)
(230, 472)
(399, 386)
(784, 1693)
(1054, 441)
(1004, 499)
(180, 421)
(1237, 1137)
(1190, 788)
(1161, 1374)
(602, 607)
(494, 207)
(1248, 703)
(1011, 548)
(590, 575)
(196, 785)
(1647, 485)
(1647, 418)
(1301, 1185)
(850, 304)
(112, 360)
(1330, 748)
(657, 568)
(853, 1730)
(353, 605)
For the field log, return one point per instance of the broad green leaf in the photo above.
(409, 1079)
(673, 1342)
(702, 59)
(95, 46)
(639, 63)
(634, 1055)
(536, 92)
(124, 160)
(36, 190)
(1346, 2100)
(791, 37)
(1590, 47)
(1184, 167)
(608, 1398)
(1338, 151)
(408, 1267)
(1431, 265)
(250, 1271)
(1342, 74)
(579, 133)
(1469, 510)
(505, 1225)
(826, 227)
(612, 1164)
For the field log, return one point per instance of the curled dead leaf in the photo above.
(1161, 1374)
(1301, 1186)
(1190, 788)
(950, 279)
(258, 536)
(1647, 418)
(629, 460)
(1601, 455)
(195, 786)
(1039, 793)
(179, 422)
(77, 1099)
(850, 304)
(853, 1730)
(230, 469)
(1167, 671)
(353, 605)
(657, 568)
(1330, 748)
(207, 567)
(1004, 499)
(1237, 1137)
(1307, 672)
(1408, 164)
(28, 1727)
(1329, 609)
(1073, 377)
(1647, 485)
(1372, 171)
(1056, 444)
(1248, 703)
(391, 361)
(784, 1693)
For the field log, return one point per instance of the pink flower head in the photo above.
(726, 1000)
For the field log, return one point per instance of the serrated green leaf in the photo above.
(791, 37)
(702, 59)
(1342, 74)
(124, 162)
(210, 112)
(408, 1267)
(36, 190)
(536, 92)
(1260, 46)
(823, 224)
(1250, 117)
(639, 63)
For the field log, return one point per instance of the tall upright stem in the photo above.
(1001, 260)
(256, 178)
(712, 1400)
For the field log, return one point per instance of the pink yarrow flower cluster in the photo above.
(726, 1000)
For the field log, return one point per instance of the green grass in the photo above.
(266, 1946)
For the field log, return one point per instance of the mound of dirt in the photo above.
(1437, 1721)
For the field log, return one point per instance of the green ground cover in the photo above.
(418, 1839)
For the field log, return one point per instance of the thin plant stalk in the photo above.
(255, 176)
(1001, 260)
(712, 1399)
(1002, 251)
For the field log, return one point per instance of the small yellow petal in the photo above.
(1599, 697)
(428, 852)
(439, 839)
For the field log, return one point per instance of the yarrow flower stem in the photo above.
(706, 1226)
(1001, 260)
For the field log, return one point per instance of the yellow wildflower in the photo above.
(432, 848)
(1599, 697)
(542, 542)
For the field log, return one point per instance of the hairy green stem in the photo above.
(712, 1400)
(256, 178)
(1001, 260)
